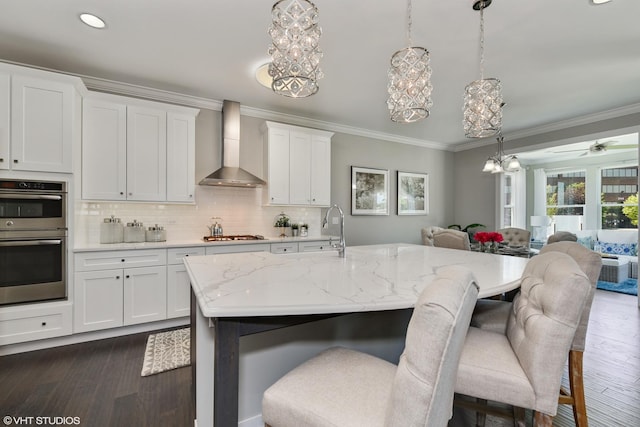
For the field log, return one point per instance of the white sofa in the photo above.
(620, 243)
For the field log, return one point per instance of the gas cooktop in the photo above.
(233, 237)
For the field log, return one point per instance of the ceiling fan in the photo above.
(600, 147)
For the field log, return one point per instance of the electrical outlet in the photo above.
(335, 220)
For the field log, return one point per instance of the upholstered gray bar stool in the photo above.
(341, 387)
(493, 316)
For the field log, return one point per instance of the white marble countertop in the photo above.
(178, 243)
(369, 278)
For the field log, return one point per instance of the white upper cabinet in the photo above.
(104, 166)
(38, 119)
(320, 170)
(298, 165)
(137, 150)
(146, 154)
(181, 157)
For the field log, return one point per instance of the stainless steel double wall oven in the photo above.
(33, 241)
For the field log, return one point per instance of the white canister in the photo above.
(111, 230)
(134, 232)
(156, 234)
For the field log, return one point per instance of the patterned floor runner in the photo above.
(166, 351)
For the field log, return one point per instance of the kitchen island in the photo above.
(238, 295)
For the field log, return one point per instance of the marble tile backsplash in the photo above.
(241, 211)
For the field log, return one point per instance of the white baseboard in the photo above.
(249, 422)
(90, 336)
(252, 422)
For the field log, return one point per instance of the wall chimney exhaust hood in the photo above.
(230, 174)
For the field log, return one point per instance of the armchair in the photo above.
(516, 236)
(452, 239)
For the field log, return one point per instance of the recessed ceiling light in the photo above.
(596, 2)
(92, 20)
(263, 77)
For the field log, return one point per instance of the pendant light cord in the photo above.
(409, 44)
(482, 42)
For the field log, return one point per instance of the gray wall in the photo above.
(349, 150)
(474, 190)
(346, 151)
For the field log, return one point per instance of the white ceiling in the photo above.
(557, 60)
(624, 147)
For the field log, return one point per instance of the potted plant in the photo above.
(294, 229)
(282, 222)
(304, 230)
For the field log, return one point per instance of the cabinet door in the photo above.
(181, 157)
(98, 300)
(5, 137)
(320, 171)
(299, 166)
(146, 154)
(278, 164)
(104, 150)
(178, 291)
(145, 294)
(41, 124)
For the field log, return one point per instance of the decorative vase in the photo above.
(304, 232)
(295, 232)
(493, 247)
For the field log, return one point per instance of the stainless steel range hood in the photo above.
(230, 174)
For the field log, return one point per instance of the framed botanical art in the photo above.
(369, 191)
(413, 193)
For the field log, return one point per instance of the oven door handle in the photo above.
(31, 242)
(31, 196)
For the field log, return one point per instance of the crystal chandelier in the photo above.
(483, 98)
(294, 51)
(501, 162)
(409, 81)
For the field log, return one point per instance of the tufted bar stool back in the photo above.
(514, 236)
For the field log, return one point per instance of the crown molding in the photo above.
(138, 91)
(552, 127)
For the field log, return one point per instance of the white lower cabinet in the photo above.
(107, 297)
(284, 248)
(178, 284)
(315, 246)
(121, 288)
(35, 322)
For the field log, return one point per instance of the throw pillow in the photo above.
(617, 248)
(586, 241)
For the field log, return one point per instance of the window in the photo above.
(508, 208)
(619, 197)
(512, 198)
(566, 193)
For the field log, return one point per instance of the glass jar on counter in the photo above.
(111, 230)
(134, 232)
(156, 234)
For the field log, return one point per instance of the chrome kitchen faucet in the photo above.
(341, 245)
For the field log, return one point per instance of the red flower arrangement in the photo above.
(488, 236)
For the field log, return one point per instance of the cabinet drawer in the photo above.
(232, 249)
(324, 245)
(284, 248)
(175, 255)
(33, 325)
(88, 261)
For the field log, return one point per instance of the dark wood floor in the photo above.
(100, 381)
